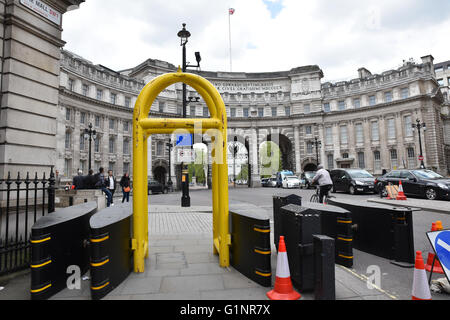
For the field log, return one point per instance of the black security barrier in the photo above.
(325, 288)
(111, 254)
(299, 226)
(250, 251)
(59, 240)
(278, 202)
(336, 223)
(382, 230)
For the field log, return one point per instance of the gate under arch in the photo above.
(216, 127)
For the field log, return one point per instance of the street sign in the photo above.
(420, 158)
(184, 140)
(440, 240)
(185, 155)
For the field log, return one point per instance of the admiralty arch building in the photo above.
(365, 122)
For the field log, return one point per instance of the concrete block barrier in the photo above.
(59, 241)
(278, 202)
(250, 251)
(111, 255)
(336, 223)
(382, 230)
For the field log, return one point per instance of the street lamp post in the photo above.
(317, 143)
(91, 135)
(420, 125)
(184, 35)
(169, 145)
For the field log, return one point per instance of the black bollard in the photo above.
(324, 279)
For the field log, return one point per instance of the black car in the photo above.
(353, 181)
(157, 187)
(422, 183)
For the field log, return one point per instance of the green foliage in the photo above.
(270, 158)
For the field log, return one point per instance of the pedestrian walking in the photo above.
(101, 183)
(111, 185)
(126, 188)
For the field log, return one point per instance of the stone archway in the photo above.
(286, 149)
(160, 174)
(310, 167)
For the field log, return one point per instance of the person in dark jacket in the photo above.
(78, 181)
(126, 187)
(101, 183)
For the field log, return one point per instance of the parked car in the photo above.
(157, 187)
(265, 182)
(281, 175)
(422, 183)
(352, 181)
(291, 182)
(272, 182)
(306, 179)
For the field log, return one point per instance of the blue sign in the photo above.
(184, 140)
(442, 245)
(440, 240)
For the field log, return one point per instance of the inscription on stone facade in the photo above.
(248, 86)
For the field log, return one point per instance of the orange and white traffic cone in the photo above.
(283, 289)
(401, 194)
(420, 289)
(437, 267)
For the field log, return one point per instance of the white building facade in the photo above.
(362, 123)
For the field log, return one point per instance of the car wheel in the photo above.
(431, 194)
(352, 190)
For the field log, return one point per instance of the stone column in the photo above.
(150, 157)
(298, 167)
(256, 179)
(401, 152)
(30, 49)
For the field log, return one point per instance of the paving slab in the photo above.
(438, 206)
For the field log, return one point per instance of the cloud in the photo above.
(267, 35)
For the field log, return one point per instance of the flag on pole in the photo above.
(231, 11)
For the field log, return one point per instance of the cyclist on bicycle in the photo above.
(323, 179)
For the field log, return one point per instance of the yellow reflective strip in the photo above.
(261, 230)
(262, 252)
(263, 274)
(99, 264)
(100, 240)
(101, 287)
(35, 266)
(346, 239)
(342, 221)
(40, 241)
(42, 289)
(346, 257)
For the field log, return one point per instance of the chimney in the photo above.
(364, 73)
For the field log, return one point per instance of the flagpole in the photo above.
(229, 34)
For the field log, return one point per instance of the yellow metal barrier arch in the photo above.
(216, 127)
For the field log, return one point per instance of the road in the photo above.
(395, 280)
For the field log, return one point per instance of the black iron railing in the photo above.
(22, 202)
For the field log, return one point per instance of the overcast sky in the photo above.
(267, 35)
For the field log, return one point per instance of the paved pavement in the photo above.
(423, 204)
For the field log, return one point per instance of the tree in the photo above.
(270, 158)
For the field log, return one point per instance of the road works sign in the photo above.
(440, 240)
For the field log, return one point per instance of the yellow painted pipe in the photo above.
(216, 126)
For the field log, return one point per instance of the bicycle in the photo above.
(315, 197)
